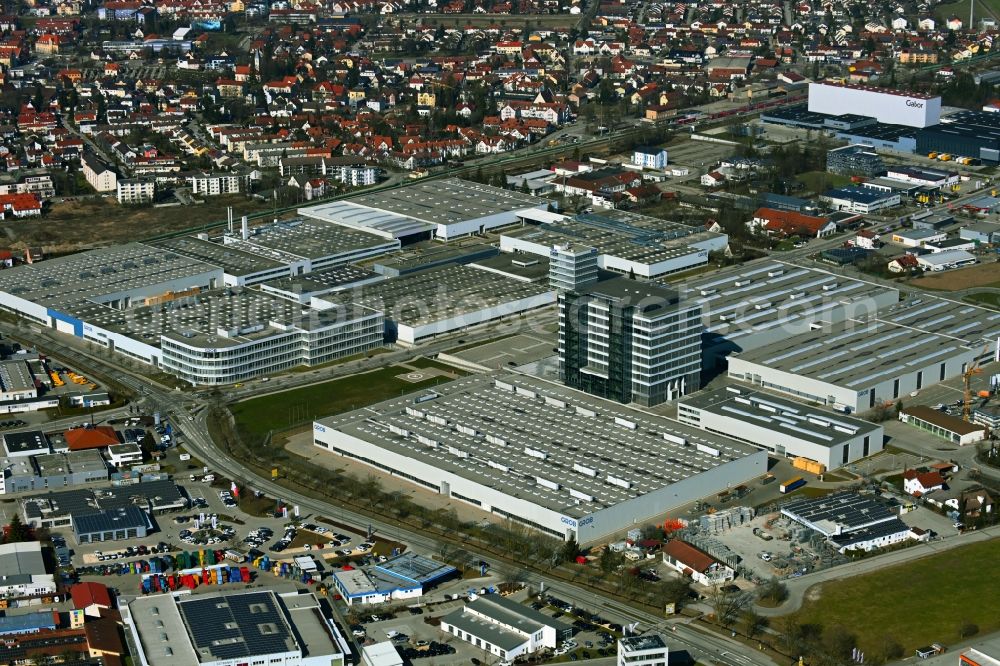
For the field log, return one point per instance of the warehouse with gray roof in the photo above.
(766, 302)
(559, 460)
(627, 243)
(853, 366)
(783, 427)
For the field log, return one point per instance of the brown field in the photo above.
(980, 275)
(76, 225)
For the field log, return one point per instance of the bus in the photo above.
(792, 484)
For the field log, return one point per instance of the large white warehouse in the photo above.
(886, 106)
(561, 461)
(781, 426)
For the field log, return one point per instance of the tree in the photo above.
(674, 590)
(17, 531)
(773, 591)
(570, 551)
(890, 649)
(838, 643)
(752, 622)
(728, 605)
(609, 560)
(967, 629)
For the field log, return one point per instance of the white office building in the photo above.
(648, 650)
(22, 571)
(630, 341)
(505, 628)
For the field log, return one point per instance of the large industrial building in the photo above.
(872, 358)
(767, 302)
(785, 428)
(173, 312)
(561, 461)
(883, 104)
(853, 366)
(627, 243)
(441, 209)
(973, 134)
(233, 627)
(438, 301)
(629, 341)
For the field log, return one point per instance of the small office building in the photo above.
(648, 650)
(505, 628)
(404, 577)
(22, 571)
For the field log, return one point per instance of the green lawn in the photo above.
(962, 583)
(821, 181)
(279, 411)
(961, 10)
(428, 363)
(986, 298)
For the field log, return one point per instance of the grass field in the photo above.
(821, 181)
(961, 10)
(980, 275)
(279, 411)
(965, 587)
(985, 298)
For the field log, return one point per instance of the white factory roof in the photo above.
(529, 438)
(364, 218)
(780, 415)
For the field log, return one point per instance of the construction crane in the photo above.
(972, 370)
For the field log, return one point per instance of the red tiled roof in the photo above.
(688, 555)
(90, 594)
(790, 221)
(79, 439)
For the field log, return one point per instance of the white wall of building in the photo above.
(784, 443)
(413, 334)
(886, 107)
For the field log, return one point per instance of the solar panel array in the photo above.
(549, 446)
(847, 509)
(879, 530)
(236, 625)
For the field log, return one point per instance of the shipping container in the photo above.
(792, 484)
(808, 465)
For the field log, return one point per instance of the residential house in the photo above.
(791, 223)
(920, 483)
(100, 176)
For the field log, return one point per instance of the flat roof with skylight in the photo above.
(540, 444)
(447, 202)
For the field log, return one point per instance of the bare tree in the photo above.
(729, 604)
